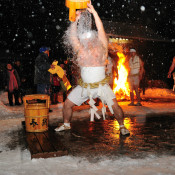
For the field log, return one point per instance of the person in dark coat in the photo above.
(21, 73)
(12, 84)
(42, 76)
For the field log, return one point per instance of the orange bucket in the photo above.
(75, 4)
(36, 114)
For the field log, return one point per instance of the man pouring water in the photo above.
(91, 49)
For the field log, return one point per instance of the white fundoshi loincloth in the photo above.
(92, 74)
(105, 93)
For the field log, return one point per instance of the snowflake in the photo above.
(98, 4)
(142, 8)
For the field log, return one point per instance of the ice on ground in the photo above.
(17, 160)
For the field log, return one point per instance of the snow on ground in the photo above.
(15, 160)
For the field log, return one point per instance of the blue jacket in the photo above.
(42, 64)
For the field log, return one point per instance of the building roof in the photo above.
(132, 31)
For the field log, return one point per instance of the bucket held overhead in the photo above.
(75, 4)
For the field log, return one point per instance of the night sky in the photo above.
(29, 24)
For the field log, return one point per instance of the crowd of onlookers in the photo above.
(18, 79)
(15, 80)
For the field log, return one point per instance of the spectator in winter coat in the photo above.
(21, 73)
(55, 88)
(42, 76)
(12, 84)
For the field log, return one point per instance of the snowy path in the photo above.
(15, 159)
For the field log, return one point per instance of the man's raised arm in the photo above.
(73, 34)
(99, 25)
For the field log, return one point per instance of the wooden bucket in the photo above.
(36, 111)
(75, 4)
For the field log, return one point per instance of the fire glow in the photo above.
(120, 85)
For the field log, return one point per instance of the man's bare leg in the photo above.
(67, 110)
(138, 96)
(118, 112)
(67, 115)
(119, 115)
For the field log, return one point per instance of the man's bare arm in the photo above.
(99, 25)
(73, 34)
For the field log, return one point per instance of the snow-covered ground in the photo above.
(15, 159)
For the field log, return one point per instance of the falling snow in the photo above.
(28, 25)
(142, 8)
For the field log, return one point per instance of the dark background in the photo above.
(29, 24)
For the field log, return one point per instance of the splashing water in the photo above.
(92, 47)
(84, 26)
(85, 23)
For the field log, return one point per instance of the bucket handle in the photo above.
(36, 96)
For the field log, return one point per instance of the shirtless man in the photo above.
(171, 68)
(91, 49)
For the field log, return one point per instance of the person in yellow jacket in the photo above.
(135, 74)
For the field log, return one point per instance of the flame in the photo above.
(120, 85)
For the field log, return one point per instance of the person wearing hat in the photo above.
(136, 70)
(42, 76)
(171, 70)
